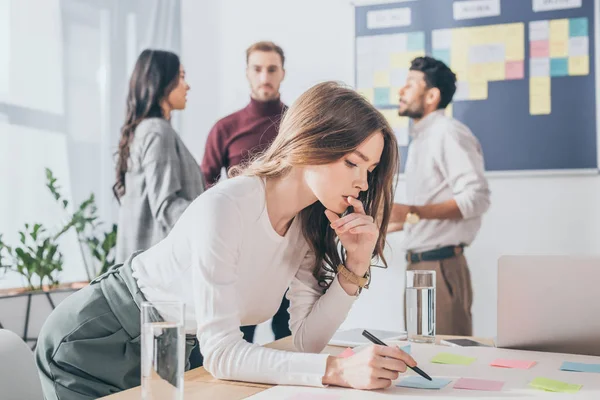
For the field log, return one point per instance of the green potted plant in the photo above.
(38, 259)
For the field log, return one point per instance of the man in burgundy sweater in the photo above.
(249, 131)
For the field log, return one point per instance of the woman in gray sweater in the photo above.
(157, 176)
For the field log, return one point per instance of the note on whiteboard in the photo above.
(551, 5)
(487, 53)
(390, 18)
(579, 46)
(540, 100)
(471, 9)
(539, 30)
(441, 38)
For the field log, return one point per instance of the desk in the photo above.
(199, 384)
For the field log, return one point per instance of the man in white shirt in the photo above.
(447, 192)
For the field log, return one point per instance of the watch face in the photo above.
(412, 218)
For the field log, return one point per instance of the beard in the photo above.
(414, 110)
(259, 94)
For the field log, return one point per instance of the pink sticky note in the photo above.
(514, 70)
(313, 396)
(478, 384)
(539, 49)
(521, 364)
(346, 353)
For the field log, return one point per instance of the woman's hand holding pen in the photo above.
(374, 367)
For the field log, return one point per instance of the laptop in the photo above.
(549, 303)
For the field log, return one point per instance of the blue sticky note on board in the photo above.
(559, 67)
(415, 41)
(578, 27)
(580, 367)
(418, 382)
(381, 97)
(442, 55)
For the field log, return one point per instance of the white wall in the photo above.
(529, 215)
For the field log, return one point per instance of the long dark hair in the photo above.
(327, 122)
(155, 74)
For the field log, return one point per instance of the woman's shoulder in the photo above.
(154, 125)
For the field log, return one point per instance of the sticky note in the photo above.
(381, 96)
(478, 90)
(477, 72)
(416, 41)
(346, 353)
(579, 46)
(442, 54)
(418, 382)
(539, 30)
(449, 113)
(580, 367)
(462, 91)
(395, 121)
(539, 48)
(579, 65)
(494, 71)
(514, 70)
(554, 386)
(381, 78)
(578, 27)
(539, 67)
(314, 396)
(403, 60)
(398, 77)
(364, 78)
(519, 364)
(559, 67)
(559, 48)
(369, 94)
(540, 100)
(449, 358)
(559, 29)
(441, 38)
(514, 39)
(478, 384)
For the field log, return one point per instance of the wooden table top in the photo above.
(199, 384)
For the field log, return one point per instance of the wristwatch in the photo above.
(412, 217)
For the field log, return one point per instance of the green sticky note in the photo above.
(551, 385)
(449, 358)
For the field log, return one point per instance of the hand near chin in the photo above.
(357, 232)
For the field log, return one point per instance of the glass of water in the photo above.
(163, 350)
(420, 306)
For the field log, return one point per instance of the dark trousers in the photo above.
(279, 324)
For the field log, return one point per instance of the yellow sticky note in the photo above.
(381, 79)
(540, 99)
(485, 34)
(559, 48)
(369, 94)
(559, 30)
(514, 41)
(459, 56)
(579, 65)
(395, 121)
(403, 60)
(478, 90)
(448, 110)
(476, 72)
(494, 71)
(551, 385)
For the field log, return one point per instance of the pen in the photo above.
(373, 339)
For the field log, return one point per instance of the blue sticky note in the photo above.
(578, 27)
(415, 41)
(418, 382)
(407, 349)
(381, 97)
(559, 67)
(580, 367)
(442, 55)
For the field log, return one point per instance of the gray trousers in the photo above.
(89, 346)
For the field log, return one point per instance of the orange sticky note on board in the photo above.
(519, 364)
(346, 353)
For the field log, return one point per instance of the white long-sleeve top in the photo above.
(231, 268)
(444, 162)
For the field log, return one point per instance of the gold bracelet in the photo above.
(352, 277)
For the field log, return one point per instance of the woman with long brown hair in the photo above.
(156, 176)
(235, 251)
